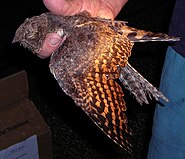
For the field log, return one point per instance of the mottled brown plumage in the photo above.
(94, 54)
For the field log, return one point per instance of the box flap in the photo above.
(13, 88)
(20, 120)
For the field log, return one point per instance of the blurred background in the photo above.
(74, 135)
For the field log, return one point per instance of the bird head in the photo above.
(31, 33)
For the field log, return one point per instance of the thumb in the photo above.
(50, 45)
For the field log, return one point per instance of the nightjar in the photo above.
(93, 56)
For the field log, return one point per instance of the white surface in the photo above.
(27, 149)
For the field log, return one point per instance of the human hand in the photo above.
(101, 8)
(98, 8)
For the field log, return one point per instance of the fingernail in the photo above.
(54, 41)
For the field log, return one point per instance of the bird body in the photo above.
(94, 53)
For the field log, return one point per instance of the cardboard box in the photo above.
(19, 118)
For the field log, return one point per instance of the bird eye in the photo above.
(31, 36)
(31, 32)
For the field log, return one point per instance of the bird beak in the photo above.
(14, 40)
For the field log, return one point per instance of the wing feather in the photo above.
(103, 97)
(103, 103)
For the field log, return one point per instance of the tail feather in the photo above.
(136, 35)
(139, 86)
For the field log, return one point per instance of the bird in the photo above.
(94, 54)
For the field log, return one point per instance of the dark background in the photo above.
(74, 136)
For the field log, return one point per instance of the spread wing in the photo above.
(93, 86)
(101, 97)
(103, 103)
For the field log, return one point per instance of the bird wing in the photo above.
(101, 97)
(92, 85)
(102, 100)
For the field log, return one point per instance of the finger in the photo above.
(110, 9)
(105, 12)
(50, 45)
(63, 7)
